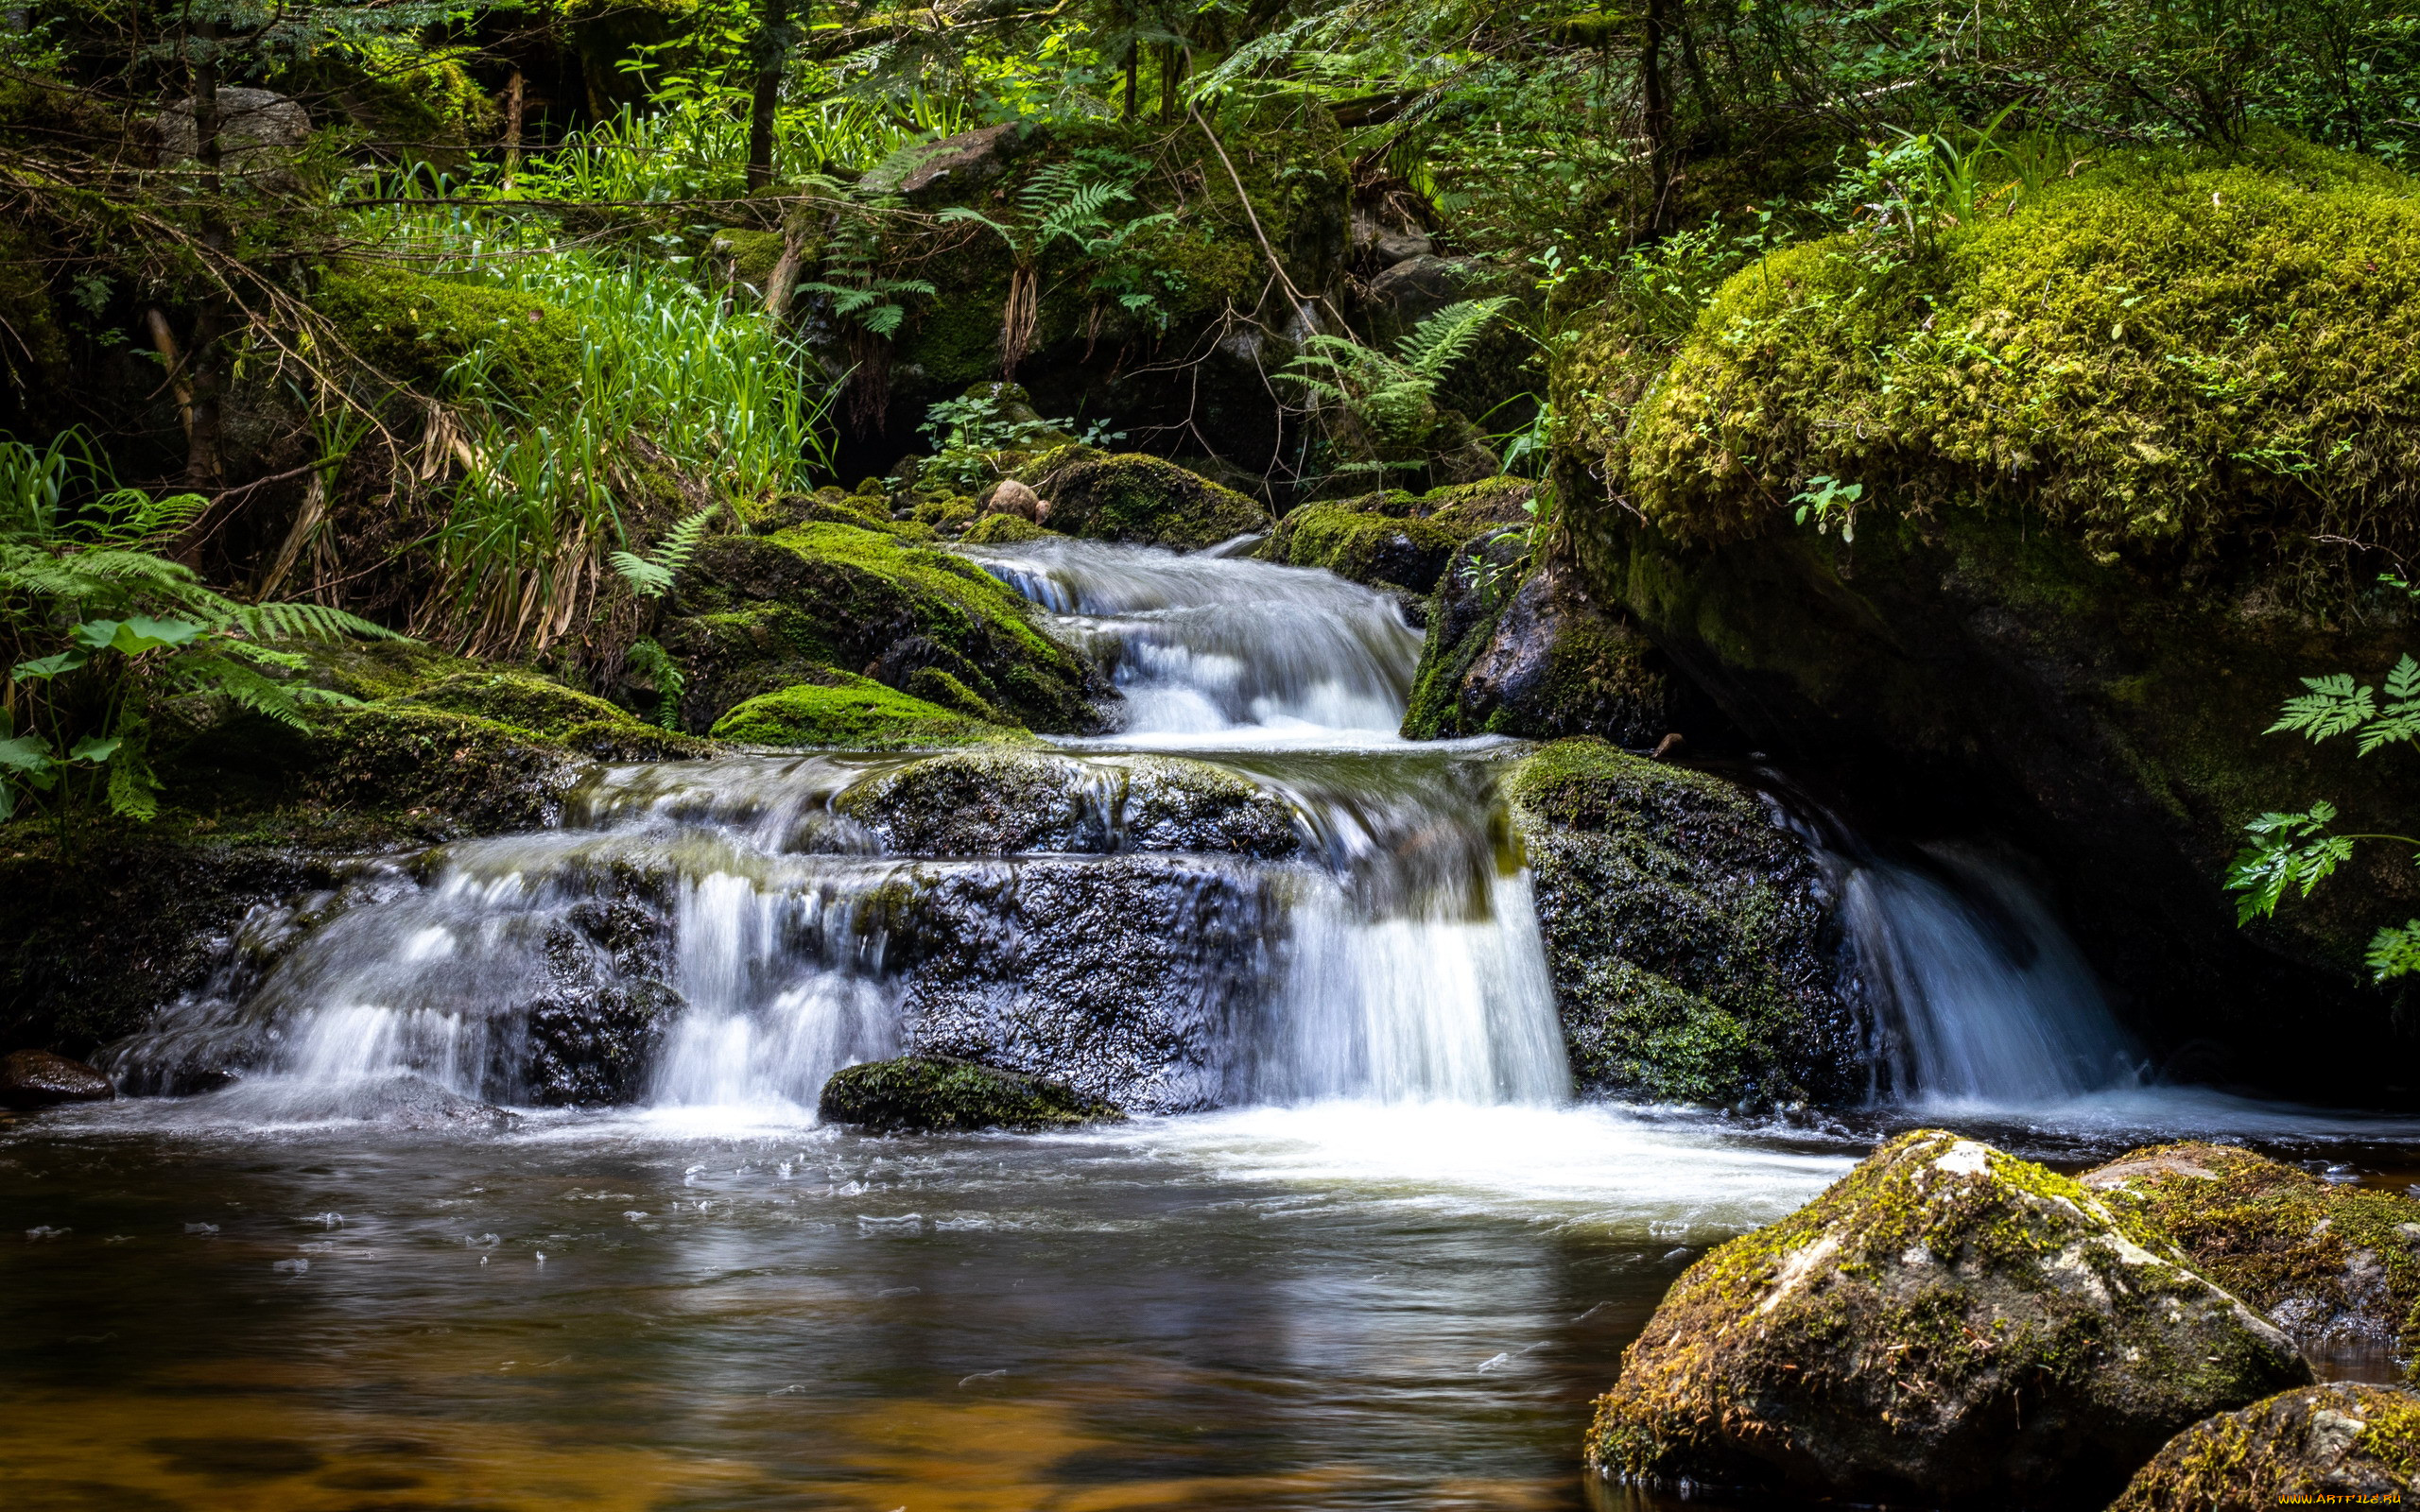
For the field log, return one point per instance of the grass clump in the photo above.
(2179, 351)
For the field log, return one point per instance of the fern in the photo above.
(651, 577)
(1444, 338)
(653, 662)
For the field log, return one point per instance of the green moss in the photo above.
(2177, 353)
(1378, 539)
(2290, 1450)
(412, 328)
(750, 254)
(1681, 926)
(858, 713)
(1140, 499)
(935, 1093)
(1002, 530)
(2330, 1263)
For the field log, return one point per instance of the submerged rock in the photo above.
(1011, 802)
(2342, 1443)
(936, 1093)
(1947, 1321)
(38, 1078)
(1143, 500)
(2332, 1265)
(1687, 931)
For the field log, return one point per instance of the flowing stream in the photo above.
(1361, 1250)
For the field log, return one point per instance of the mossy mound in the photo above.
(858, 713)
(1002, 530)
(412, 328)
(924, 1093)
(1686, 932)
(1945, 1322)
(1014, 802)
(2339, 1444)
(2177, 353)
(1396, 539)
(1144, 500)
(2332, 1265)
(759, 615)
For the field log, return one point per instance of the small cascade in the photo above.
(1210, 648)
(1978, 995)
(724, 933)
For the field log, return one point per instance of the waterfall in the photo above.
(1978, 995)
(722, 934)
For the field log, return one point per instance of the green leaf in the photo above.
(50, 666)
(2333, 705)
(95, 748)
(26, 753)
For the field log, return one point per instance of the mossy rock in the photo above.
(829, 506)
(1014, 802)
(1686, 932)
(1380, 538)
(2178, 353)
(412, 328)
(2340, 1444)
(1143, 500)
(1549, 657)
(2332, 1265)
(858, 713)
(1003, 530)
(757, 615)
(1946, 1322)
(935, 1093)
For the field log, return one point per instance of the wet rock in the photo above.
(2341, 1443)
(936, 1093)
(38, 1078)
(1007, 803)
(595, 1024)
(1537, 656)
(1144, 500)
(2332, 1265)
(1397, 539)
(1124, 976)
(1948, 1322)
(1010, 497)
(1687, 931)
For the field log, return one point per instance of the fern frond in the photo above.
(2333, 705)
(680, 543)
(1443, 339)
(305, 622)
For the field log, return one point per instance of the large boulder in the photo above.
(1397, 539)
(1685, 929)
(2112, 477)
(920, 1093)
(2339, 1444)
(2336, 1267)
(1948, 1322)
(999, 803)
(1539, 655)
(1144, 500)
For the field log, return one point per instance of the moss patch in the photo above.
(2343, 1444)
(412, 328)
(1002, 530)
(1142, 500)
(935, 1093)
(1684, 931)
(860, 714)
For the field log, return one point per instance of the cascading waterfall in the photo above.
(1980, 997)
(722, 934)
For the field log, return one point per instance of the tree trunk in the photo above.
(772, 52)
(1132, 50)
(202, 469)
(1658, 112)
(513, 130)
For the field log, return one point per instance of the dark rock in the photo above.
(953, 167)
(1398, 539)
(1687, 931)
(1418, 287)
(922, 1094)
(1554, 661)
(2335, 1267)
(593, 1028)
(38, 1078)
(1948, 1322)
(2338, 1444)
(1125, 976)
(995, 803)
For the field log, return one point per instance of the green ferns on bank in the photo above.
(2175, 351)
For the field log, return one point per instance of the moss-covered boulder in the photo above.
(2335, 1267)
(1948, 1322)
(412, 327)
(2338, 1444)
(1533, 651)
(1002, 530)
(1144, 500)
(1396, 539)
(1009, 804)
(2111, 446)
(1685, 931)
(936, 1093)
(816, 603)
(858, 713)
